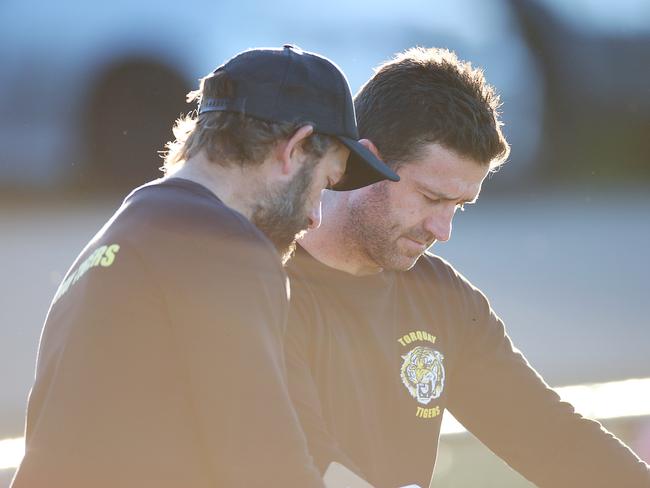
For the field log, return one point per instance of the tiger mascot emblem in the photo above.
(423, 374)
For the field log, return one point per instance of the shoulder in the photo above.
(438, 281)
(433, 265)
(173, 214)
(435, 269)
(180, 229)
(187, 205)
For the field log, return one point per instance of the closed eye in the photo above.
(439, 199)
(431, 200)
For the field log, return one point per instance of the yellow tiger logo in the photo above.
(423, 374)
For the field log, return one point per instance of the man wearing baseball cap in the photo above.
(161, 360)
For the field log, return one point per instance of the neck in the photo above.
(233, 185)
(332, 244)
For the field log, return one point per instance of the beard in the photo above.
(373, 231)
(281, 213)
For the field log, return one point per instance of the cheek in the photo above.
(408, 211)
(315, 199)
(340, 159)
(314, 194)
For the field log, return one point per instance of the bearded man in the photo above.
(384, 337)
(160, 362)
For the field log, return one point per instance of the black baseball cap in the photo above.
(292, 85)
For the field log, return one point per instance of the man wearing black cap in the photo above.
(383, 336)
(161, 360)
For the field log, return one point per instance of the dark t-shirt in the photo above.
(374, 361)
(161, 361)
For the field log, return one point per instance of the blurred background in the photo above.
(559, 240)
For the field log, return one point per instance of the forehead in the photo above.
(441, 170)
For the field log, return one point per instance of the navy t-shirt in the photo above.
(374, 361)
(161, 360)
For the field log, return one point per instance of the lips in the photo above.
(413, 246)
(417, 241)
(425, 241)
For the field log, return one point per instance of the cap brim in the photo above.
(363, 168)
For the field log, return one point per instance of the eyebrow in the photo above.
(443, 196)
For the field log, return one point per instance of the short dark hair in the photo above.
(230, 137)
(429, 96)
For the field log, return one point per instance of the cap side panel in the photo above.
(288, 54)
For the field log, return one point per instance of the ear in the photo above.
(368, 144)
(290, 153)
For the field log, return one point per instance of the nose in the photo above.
(439, 224)
(315, 216)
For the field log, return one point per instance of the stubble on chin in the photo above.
(370, 231)
(281, 213)
(373, 233)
